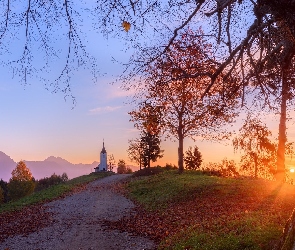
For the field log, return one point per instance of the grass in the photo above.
(203, 212)
(51, 193)
(160, 190)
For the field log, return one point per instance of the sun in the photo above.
(292, 170)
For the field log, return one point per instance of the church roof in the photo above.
(103, 151)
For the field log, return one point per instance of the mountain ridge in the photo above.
(46, 168)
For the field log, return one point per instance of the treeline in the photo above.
(22, 183)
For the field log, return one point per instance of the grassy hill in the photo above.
(195, 211)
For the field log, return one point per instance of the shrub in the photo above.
(149, 171)
(50, 181)
(129, 170)
(170, 166)
(122, 169)
(227, 168)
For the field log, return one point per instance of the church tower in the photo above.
(103, 165)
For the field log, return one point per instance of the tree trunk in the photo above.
(255, 166)
(180, 151)
(280, 174)
(149, 154)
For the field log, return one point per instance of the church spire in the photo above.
(103, 148)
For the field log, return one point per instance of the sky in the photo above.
(37, 123)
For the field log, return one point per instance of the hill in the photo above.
(46, 168)
(195, 211)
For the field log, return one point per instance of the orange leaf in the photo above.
(126, 25)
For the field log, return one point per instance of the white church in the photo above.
(103, 165)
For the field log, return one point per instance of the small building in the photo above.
(103, 165)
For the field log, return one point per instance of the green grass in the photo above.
(51, 193)
(158, 191)
(214, 213)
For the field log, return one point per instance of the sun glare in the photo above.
(292, 170)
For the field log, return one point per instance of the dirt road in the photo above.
(78, 222)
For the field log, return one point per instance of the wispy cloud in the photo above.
(103, 110)
(117, 92)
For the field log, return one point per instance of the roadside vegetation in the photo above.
(194, 210)
(52, 191)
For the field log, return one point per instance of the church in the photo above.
(103, 165)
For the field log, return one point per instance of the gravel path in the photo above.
(78, 222)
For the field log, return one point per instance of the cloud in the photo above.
(103, 110)
(117, 92)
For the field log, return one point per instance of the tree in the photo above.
(277, 88)
(39, 20)
(268, 39)
(32, 27)
(21, 182)
(193, 158)
(253, 140)
(268, 42)
(122, 169)
(64, 177)
(3, 185)
(1, 195)
(135, 151)
(21, 173)
(175, 101)
(111, 162)
(151, 148)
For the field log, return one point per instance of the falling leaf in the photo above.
(126, 25)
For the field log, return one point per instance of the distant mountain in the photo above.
(6, 166)
(46, 168)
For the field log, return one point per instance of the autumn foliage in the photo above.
(21, 183)
(174, 89)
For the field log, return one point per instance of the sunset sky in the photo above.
(37, 123)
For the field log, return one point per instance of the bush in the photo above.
(122, 169)
(227, 168)
(50, 181)
(129, 170)
(170, 166)
(148, 171)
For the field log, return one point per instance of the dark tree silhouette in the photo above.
(259, 151)
(135, 151)
(193, 158)
(151, 148)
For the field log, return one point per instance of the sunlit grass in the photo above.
(52, 192)
(158, 191)
(213, 212)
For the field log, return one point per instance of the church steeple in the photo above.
(103, 151)
(103, 165)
